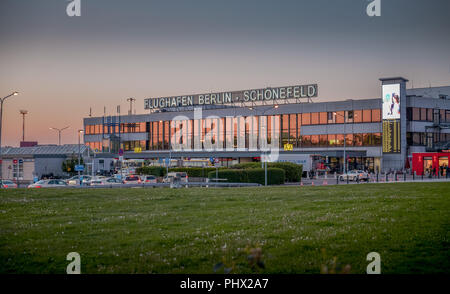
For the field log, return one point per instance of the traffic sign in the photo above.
(79, 167)
(121, 158)
(120, 152)
(167, 161)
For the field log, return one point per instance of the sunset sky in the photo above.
(64, 65)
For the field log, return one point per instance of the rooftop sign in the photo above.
(220, 98)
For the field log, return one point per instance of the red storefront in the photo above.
(430, 162)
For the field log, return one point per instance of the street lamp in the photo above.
(1, 118)
(131, 100)
(23, 113)
(59, 133)
(265, 152)
(79, 154)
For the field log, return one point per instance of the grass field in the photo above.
(248, 230)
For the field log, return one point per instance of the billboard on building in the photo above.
(391, 101)
(391, 118)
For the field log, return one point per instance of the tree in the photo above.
(68, 165)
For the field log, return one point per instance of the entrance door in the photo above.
(427, 166)
(443, 164)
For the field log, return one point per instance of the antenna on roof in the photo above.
(90, 111)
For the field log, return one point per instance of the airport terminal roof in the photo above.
(44, 150)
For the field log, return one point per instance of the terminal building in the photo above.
(379, 134)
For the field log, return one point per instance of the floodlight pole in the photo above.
(1, 119)
(265, 152)
(23, 113)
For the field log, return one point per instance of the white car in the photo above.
(176, 176)
(7, 184)
(149, 179)
(355, 175)
(75, 180)
(48, 184)
(102, 181)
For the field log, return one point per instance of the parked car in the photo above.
(132, 179)
(149, 179)
(75, 180)
(355, 175)
(101, 181)
(98, 180)
(48, 184)
(7, 184)
(182, 176)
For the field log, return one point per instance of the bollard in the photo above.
(404, 177)
(347, 179)
(312, 183)
(377, 177)
(337, 181)
(414, 175)
(325, 183)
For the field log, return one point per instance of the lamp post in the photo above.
(1, 119)
(131, 100)
(79, 154)
(23, 113)
(345, 138)
(59, 133)
(265, 152)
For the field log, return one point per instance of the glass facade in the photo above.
(228, 130)
(427, 114)
(420, 138)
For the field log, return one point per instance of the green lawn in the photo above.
(298, 229)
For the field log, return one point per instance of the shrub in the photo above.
(275, 176)
(197, 172)
(157, 171)
(232, 175)
(293, 171)
(246, 165)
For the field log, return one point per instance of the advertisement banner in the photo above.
(391, 101)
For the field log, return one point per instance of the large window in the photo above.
(315, 118)
(358, 116)
(293, 129)
(306, 119)
(376, 115)
(323, 118)
(367, 115)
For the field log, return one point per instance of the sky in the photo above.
(63, 66)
